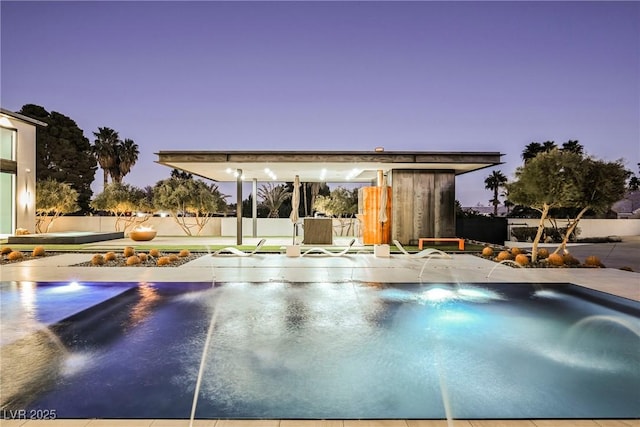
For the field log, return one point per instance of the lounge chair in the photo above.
(231, 251)
(323, 251)
(429, 252)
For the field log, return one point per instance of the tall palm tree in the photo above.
(531, 151)
(126, 156)
(494, 182)
(573, 146)
(104, 150)
(273, 197)
(548, 146)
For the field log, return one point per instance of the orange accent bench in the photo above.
(441, 239)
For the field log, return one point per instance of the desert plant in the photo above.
(516, 251)
(543, 183)
(53, 199)
(522, 259)
(155, 253)
(133, 260)
(6, 250)
(38, 251)
(121, 200)
(555, 259)
(163, 260)
(184, 253)
(503, 256)
(14, 255)
(190, 202)
(543, 253)
(487, 251)
(173, 257)
(129, 251)
(593, 261)
(570, 259)
(97, 259)
(110, 256)
(143, 257)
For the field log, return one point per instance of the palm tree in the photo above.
(494, 182)
(573, 146)
(531, 151)
(273, 197)
(548, 146)
(104, 150)
(126, 156)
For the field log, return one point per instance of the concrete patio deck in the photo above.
(353, 267)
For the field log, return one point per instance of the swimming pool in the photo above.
(326, 350)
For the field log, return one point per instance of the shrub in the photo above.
(6, 251)
(593, 261)
(555, 259)
(14, 255)
(173, 257)
(129, 251)
(154, 253)
(163, 260)
(97, 259)
(516, 251)
(522, 259)
(487, 251)
(184, 253)
(143, 257)
(38, 251)
(503, 256)
(110, 256)
(570, 259)
(543, 253)
(133, 260)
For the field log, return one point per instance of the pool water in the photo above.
(339, 350)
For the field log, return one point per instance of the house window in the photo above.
(7, 144)
(7, 181)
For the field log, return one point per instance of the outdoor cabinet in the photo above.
(318, 231)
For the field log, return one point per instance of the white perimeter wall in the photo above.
(589, 227)
(282, 226)
(267, 227)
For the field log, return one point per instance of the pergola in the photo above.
(413, 176)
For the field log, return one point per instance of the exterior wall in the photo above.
(217, 227)
(25, 188)
(589, 227)
(165, 226)
(423, 204)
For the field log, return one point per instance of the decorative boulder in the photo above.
(503, 256)
(522, 259)
(129, 251)
(487, 251)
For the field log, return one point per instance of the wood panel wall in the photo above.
(423, 204)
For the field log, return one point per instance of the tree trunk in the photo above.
(495, 201)
(534, 248)
(106, 178)
(574, 224)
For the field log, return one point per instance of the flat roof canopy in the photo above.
(316, 166)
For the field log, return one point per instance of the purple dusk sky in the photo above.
(433, 76)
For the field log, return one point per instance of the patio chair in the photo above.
(429, 252)
(323, 251)
(231, 251)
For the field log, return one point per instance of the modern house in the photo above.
(17, 172)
